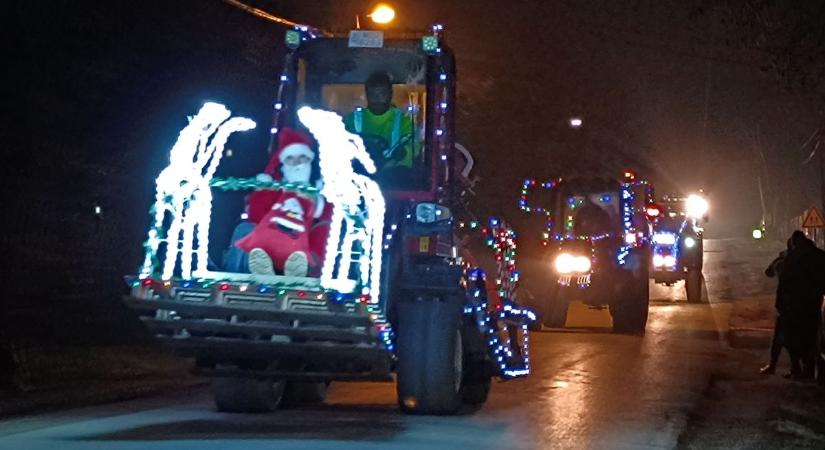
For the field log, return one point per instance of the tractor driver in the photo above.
(592, 219)
(387, 132)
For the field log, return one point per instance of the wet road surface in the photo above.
(589, 389)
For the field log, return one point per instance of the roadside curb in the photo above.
(78, 396)
(751, 322)
(750, 338)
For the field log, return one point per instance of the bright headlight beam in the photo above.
(658, 260)
(696, 206)
(581, 264)
(566, 263)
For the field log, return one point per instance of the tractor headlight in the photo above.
(566, 263)
(664, 238)
(690, 242)
(664, 261)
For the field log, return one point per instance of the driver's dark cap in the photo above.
(379, 80)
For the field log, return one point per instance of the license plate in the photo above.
(424, 244)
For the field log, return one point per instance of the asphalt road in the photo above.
(590, 389)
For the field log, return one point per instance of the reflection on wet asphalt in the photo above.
(590, 389)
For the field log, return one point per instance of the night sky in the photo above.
(102, 89)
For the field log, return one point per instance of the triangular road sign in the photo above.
(813, 219)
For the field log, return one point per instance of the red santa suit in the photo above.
(284, 219)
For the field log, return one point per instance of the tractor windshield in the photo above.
(592, 214)
(382, 95)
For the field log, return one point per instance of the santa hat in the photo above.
(290, 143)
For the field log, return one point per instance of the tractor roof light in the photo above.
(292, 39)
(429, 44)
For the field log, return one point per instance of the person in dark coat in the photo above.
(801, 286)
(779, 339)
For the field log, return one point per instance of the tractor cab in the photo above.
(393, 90)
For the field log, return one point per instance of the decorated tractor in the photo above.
(360, 274)
(677, 244)
(597, 242)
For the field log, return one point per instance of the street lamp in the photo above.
(576, 122)
(382, 14)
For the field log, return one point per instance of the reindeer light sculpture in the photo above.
(183, 196)
(359, 206)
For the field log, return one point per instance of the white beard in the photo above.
(297, 174)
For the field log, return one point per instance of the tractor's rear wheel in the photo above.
(693, 286)
(247, 395)
(430, 357)
(554, 313)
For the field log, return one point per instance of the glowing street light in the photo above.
(382, 14)
(576, 122)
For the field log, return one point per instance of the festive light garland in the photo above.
(493, 325)
(508, 319)
(499, 237)
(245, 184)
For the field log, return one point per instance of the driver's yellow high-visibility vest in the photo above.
(392, 126)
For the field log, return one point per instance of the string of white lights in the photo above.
(351, 195)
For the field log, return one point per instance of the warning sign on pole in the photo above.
(813, 219)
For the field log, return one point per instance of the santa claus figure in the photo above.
(286, 238)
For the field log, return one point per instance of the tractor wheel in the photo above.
(693, 286)
(430, 353)
(305, 392)
(555, 304)
(475, 386)
(630, 311)
(247, 395)
(475, 394)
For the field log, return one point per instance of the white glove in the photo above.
(264, 178)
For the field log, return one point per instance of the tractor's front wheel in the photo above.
(247, 395)
(430, 357)
(631, 308)
(305, 392)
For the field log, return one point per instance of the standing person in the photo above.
(802, 280)
(779, 329)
